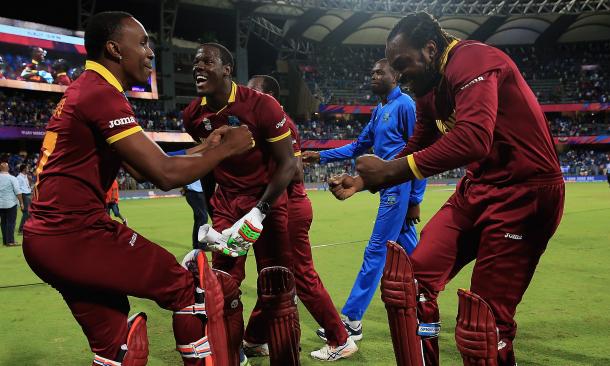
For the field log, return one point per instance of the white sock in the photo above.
(353, 323)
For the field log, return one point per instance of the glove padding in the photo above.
(246, 231)
(214, 241)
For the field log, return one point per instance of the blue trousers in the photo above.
(389, 225)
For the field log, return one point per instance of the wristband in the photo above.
(176, 153)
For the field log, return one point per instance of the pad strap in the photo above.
(195, 309)
(197, 349)
(101, 361)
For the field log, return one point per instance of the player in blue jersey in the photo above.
(391, 125)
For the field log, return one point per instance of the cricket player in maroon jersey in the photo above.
(474, 109)
(309, 286)
(93, 261)
(251, 186)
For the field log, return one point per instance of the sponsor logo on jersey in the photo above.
(122, 121)
(281, 123)
(472, 82)
(133, 239)
(513, 236)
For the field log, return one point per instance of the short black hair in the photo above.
(22, 167)
(270, 85)
(102, 27)
(225, 55)
(419, 28)
(385, 61)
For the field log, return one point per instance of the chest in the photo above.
(206, 121)
(386, 122)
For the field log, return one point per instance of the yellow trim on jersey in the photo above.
(297, 153)
(280, 137)
(120, 135)
(105, 73)
(414, 168)
(204, 101)
(445, 55)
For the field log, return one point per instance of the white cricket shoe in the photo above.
(329, 353)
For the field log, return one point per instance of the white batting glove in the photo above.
(217, 242)
(246, 230)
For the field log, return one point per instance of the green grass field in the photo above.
(564, 318)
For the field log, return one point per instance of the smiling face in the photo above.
(136, 54)
(383, 78)
(415, 66)
(208, 71)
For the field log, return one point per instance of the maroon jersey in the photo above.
(62, 79)
(77, 163)
(482, 113)
(251, 171)
(296, 190)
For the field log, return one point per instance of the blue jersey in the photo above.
(387, 133)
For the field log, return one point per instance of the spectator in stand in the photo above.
(26, 194)
(112, 202)
(10, 196)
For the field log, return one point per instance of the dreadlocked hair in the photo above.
(419, 28)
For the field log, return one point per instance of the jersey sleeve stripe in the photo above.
(413, 166)
(280, 137)
(297, 153)
(120, 135)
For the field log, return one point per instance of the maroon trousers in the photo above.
(96, 268)
(505, 230)
(309, 287)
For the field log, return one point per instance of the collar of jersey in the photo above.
(105, 73)
(204, 101)
(446, 55)
(394, 93)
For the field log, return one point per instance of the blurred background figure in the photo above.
(112, 202)
(26, 193)
(196, 199)
(10, 196)
(60, 72)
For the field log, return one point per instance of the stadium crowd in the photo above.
(26, 109)
(582, 124)
(332, 129)
(576, 72)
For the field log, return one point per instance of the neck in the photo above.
(117, 71)
(221, 97)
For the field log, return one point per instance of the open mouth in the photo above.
(200, 80)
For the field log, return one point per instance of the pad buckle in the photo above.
(429, 330)
(197, 349)
(195, 309)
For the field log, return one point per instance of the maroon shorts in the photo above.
(96, 268)
(504, 229)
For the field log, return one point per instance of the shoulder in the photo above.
(92, 90)
(405, 100)
(470, 59)
(191, 109)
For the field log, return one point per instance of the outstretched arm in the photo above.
(146, 159)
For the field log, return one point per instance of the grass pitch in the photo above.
(563, 318)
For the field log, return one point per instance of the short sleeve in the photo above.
(296, 140)
(271, 119)
(114, 118)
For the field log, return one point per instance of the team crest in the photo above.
(233, 121)
(207, 124)
(386, 116)
(446, 126)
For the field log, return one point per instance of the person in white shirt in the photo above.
(10, 195)
(26, 194)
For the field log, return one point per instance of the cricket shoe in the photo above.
(330, 353)
(354, 333)
(243, 360)
(255, 350)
